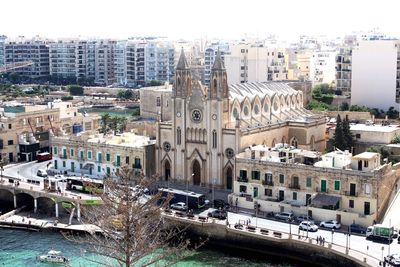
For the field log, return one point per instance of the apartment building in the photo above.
(157, 102)
(35, 50)
(375, 80)
(303, 64)
(322, 66)
(209, 57)
(85, 60)
(98, 156)
(343, 65)
(63, 59)
(336, 185)
(2, 49)
(104, 62)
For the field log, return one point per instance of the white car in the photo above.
(308, 226)
(41, 173)
(179, 206)
(393, 260)
(332, 224)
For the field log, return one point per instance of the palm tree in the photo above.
(105, 120)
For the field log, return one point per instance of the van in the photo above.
(287, 216)
(41, 173)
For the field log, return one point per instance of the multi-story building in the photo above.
(336, 185)
(209, 57)
(343, 65)
(2, 49)
(322, 66)
(104, 60)
(120, 66)
(35, 50)
(375, 80)
(98, 156)
(157, 101)
(303, 64)
(85, 61)
(63, 59)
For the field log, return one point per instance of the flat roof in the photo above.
(366, 155)
(374, 128)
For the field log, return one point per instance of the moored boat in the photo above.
(53, 256)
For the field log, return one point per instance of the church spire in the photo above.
(182, 62)
(218, 62)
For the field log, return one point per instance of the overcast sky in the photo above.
(193, 19)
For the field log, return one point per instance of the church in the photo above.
(209, 126)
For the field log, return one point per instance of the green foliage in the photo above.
(396, 139)
(339, 140)
(385, 154)
(360, 108)
(125, 94)
(136, 112)
(392, 113)
(155, 83)
(67, 98)
(347, 134)
(75, 90)
(323, 93)
(344, 106)
(115, 123)
(319, 106)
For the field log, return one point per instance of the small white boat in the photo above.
(53, 256)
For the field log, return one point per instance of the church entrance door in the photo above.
(196, 173)
(229, 178)
(167, 170)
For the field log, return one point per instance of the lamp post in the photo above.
(382, 252)
(390, 238)
(333, 231)
(213, 195)
(187, 191)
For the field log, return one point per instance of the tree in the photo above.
(75, 90)
(339, 139)
(155, 83)
(347, 133)
(392, 113)
(134, 231)
(105, 118)
(344, 106)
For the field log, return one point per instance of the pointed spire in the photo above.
(182, 63)
(218, 63)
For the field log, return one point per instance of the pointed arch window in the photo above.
(214, 139)
(178, 136)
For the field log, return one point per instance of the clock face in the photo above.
(196, 115)
(214, 116)
(178, 114)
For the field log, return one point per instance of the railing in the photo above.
(242, 179)
(270, 183)
(351, 194)
(294, 186)
(319, 190)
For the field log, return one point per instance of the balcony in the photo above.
(242, 179)
(269, 183)
(351, 194)
(62, 156)
(137, 166)
(294, 186)
(318, 189)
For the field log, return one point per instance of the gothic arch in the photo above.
(273, 143)
(204, 135)
(283, 139)
(256, 108)
(196, 172)
(228, 175)
(294, 142)
(166, 170)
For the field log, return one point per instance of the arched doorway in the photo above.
(167, 170)
(229, 178)
(196, 172)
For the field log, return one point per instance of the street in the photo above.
(24, 171)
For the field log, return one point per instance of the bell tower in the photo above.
(183, 78)
(218, 83)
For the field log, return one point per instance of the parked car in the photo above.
(332, 224)
(356, 228)
(220, 203)
(179, 206)
(41, 173)
(393, 260)
(301, 218)
(287, 216)
(219, 214)
(308, 225)
(395, 233)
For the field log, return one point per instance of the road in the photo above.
(24, 171)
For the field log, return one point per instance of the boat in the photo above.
(53, 256)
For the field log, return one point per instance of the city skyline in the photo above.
(177, 19)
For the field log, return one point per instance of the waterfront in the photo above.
(126, 112)
(20, 248)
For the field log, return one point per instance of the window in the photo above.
(268, 192)
(127, 160)
(365, 164)
(81, 156)
(55, 150)
(309, 182)
(118, 160)
(99, 168)
(358, 136)
(71, 152)
(108, 157)
(137, 163)
(214, 139)
(281, 178)
(10, 142)
(243, 174)
(294, 195)
(367, 189)
(9, 126)
(323, 186)
(351, 203)
(337, 185)
(64, 164)
(158, 102)
(108, 170)
(64, 153)
(243, 189)
(80, 165)
(178, 136)
(255, 175)
(268, 178)
(89, 154)
(99, 157)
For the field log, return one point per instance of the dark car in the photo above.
(356, 228)
(220, 203)
(219, 214)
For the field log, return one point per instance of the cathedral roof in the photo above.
(182, 63)
(253, 89)
(218, 62)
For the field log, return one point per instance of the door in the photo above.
(281, 195)
(360, 165)
(366, 208)
(10, 157)
(323, 185)
(255, 192)
(167, 170)
(229, 178)
(55, 164)
(90, 170)
(72, 166)
(338, 218)
(308, 199)
(196, 173)
(352, 189)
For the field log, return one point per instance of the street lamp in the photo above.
(333, 231)
(213, 196)
(187, 191)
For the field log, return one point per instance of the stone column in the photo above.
(35, 205)
(56, 205)
(78, 211)
(15, 201)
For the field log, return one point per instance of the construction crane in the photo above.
(15, 65)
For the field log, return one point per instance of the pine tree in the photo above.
(347, 134)
(338, 139)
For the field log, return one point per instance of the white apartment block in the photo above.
(104, 60)
(375, 81)
(322, 66)
(2, 49)
(62, 59)
(209, 57)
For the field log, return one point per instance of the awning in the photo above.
(323, 200)
(88, 165)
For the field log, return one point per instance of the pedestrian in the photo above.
(317, 240)
(323, 241)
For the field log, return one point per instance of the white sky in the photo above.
(193, 19)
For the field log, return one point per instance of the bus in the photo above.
(194, 200)
(43, 156)
(85, 185)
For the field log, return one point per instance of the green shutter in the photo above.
(118, 160)
(108, 157)
(323, 185)
(308, 182)
(72, 152)
(337, 185)
(55, 150)
(82, 154)
(281, 178)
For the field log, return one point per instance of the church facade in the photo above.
(209, 125)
